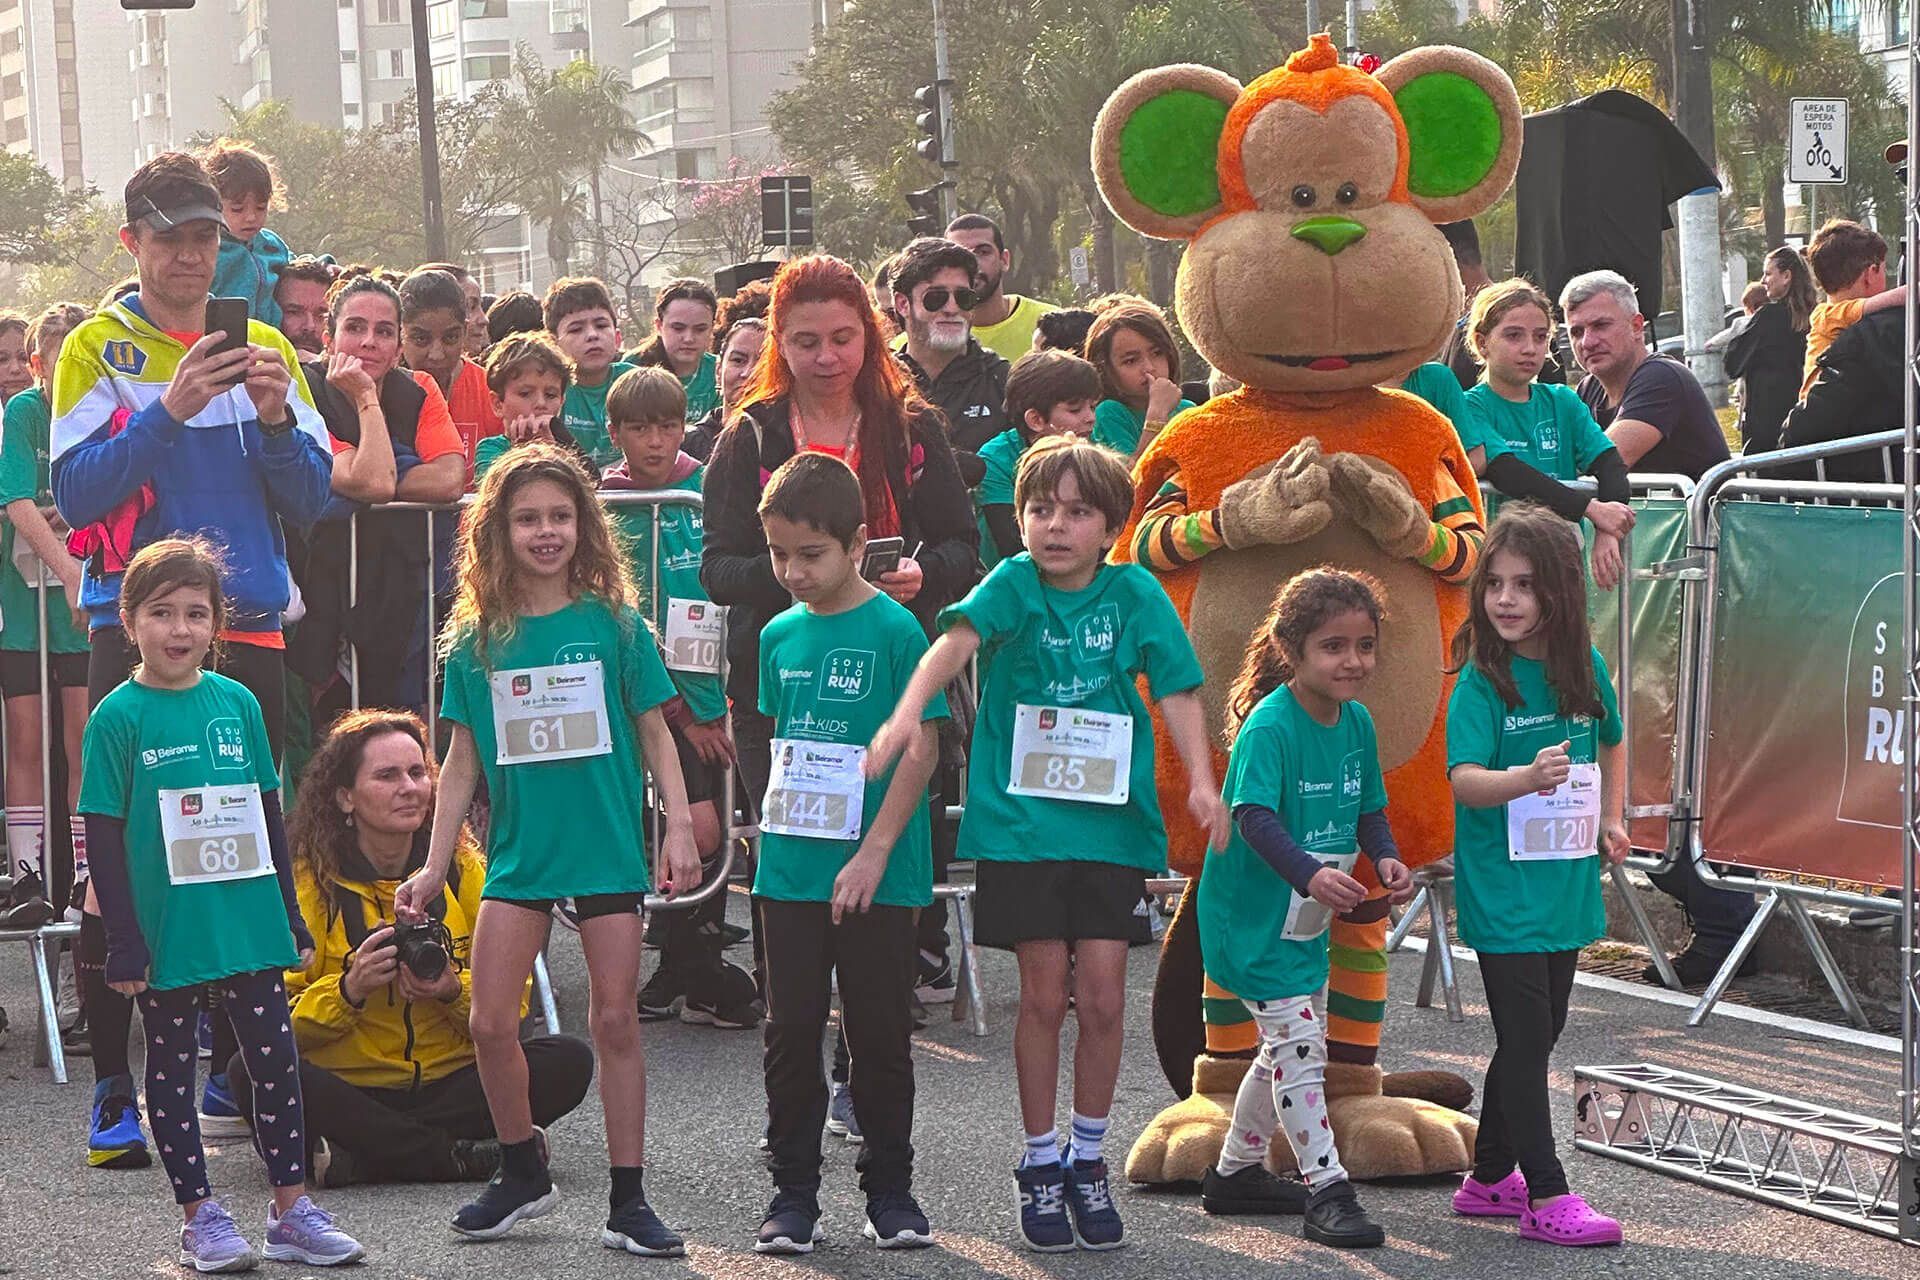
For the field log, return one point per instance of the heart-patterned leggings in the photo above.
(1286, 1089)
(257, 1003)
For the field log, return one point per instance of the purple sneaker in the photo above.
(211, 1242)
(305, 1233)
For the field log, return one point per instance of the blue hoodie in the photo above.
(250, 269)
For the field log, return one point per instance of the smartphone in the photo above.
(883, 556)
(228, 315)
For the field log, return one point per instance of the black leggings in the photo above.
(1527, 994)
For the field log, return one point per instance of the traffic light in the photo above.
(932, 121)
(929, 206)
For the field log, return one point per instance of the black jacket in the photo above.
(737, 571)
(971, 396)
(1771, 357)
(1857, 393)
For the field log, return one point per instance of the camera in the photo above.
(423, 948)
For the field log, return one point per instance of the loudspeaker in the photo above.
(728, 281)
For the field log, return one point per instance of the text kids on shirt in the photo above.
(1061, 812)
(578, 312)
(646, 412)
(1132, 346)
(1049, 393)
(1309, 804)
(1527, 439)
(1533, 752)
(195, 883)
(528, 376)
(846, 855)
(554, 687)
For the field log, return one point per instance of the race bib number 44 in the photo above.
(815, 790)
(550, 713)
(1560, 825)
(1066, 753)
(214, 833)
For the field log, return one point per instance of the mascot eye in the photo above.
(1347, 193)
(1304, 196)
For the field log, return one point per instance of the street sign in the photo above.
(786, 211)
(1817, 141)
(1077, 265)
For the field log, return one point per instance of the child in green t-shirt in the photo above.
(1527, 438)
(1132, 346)
(662, 542)
(578, 312)
(554, 688)
(1061, 812)
(1308, 802)
(845, 856)
(194, 879)
(1533, 751)
(1049, 393)
(528, 375)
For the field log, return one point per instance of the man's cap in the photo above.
(174, 202)
(1897, 152)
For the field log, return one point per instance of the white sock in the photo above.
(1042, 1149)
(1088, 1133)
(23, 841)
(79, 849)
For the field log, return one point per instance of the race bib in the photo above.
(1066, 753)
(1559, 825)
(214, 833)
(815, 790)
(30, 565)
(695, 632)
(1307, 919)
(550, 713)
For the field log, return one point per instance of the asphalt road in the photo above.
(59, 1218)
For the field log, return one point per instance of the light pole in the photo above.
(431, 213)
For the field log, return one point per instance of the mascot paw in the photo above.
(1442, 1088)
(1378, 500)
(1286, 503)
(1183, 1141)
(1401, 1137)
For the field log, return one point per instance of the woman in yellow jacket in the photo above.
(386, 1062)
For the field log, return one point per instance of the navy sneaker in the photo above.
(1043, 1208)
(114, 1140)
(1096, 1223)
(792, 1224)
(894, 1221)
(507, 1200)
(219, 1114)
(203, 1035)
(840, 1117)
(636, 1228)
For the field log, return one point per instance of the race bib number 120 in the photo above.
(1559, 826)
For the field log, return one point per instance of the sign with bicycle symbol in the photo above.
(1817, 141)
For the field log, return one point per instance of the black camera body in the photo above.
(425, 948)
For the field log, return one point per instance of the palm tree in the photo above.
(576, 119)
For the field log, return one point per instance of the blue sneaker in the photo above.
(306, 1233)
(211, 1242)
(1096, 1223)
(840, 1117)
(219, 1115)
(114, 1140)
(1043, 1208)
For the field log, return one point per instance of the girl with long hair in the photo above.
(1768, 353)
(554, 688)
(1533, 751)
(683, 322)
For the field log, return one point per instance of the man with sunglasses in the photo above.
(935, 284)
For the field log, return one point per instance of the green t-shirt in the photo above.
(1507, 906)
(1319, 778)
(1002, 456)
(836, 677)
(1117, 424)
(24, 474)
(568, 827)
(1434, 382)
(667, 571)
(1072, 649)
(1552, 432)
(141, 741)
(584, 413)
(703, 387)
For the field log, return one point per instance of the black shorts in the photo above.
(1015, 902)
(20, 672)
(586, 907)
(704, 781)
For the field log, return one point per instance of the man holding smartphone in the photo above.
(167, 425)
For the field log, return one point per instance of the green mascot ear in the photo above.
(1156, 149)
(1463, 129)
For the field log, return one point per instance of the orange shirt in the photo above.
(435, 435)
(471, 404)
(1823, 326)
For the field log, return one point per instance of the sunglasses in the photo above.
(935, 299)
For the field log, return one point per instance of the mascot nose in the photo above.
(1328, 234)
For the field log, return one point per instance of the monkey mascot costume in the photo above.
(1314, 274)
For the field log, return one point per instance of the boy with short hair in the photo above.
(1049, 393)
(1061, 813)
(646, 413)
(250, 255)
(1849, 263)
(578, 312)
(433, 328)
(845, 855)
(527, 376)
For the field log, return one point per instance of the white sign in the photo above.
(1817, 141)
(1077, 264)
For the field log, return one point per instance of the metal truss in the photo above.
(1831, 1164)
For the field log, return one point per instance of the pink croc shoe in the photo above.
(1506, 1198)
(1569, 1220)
